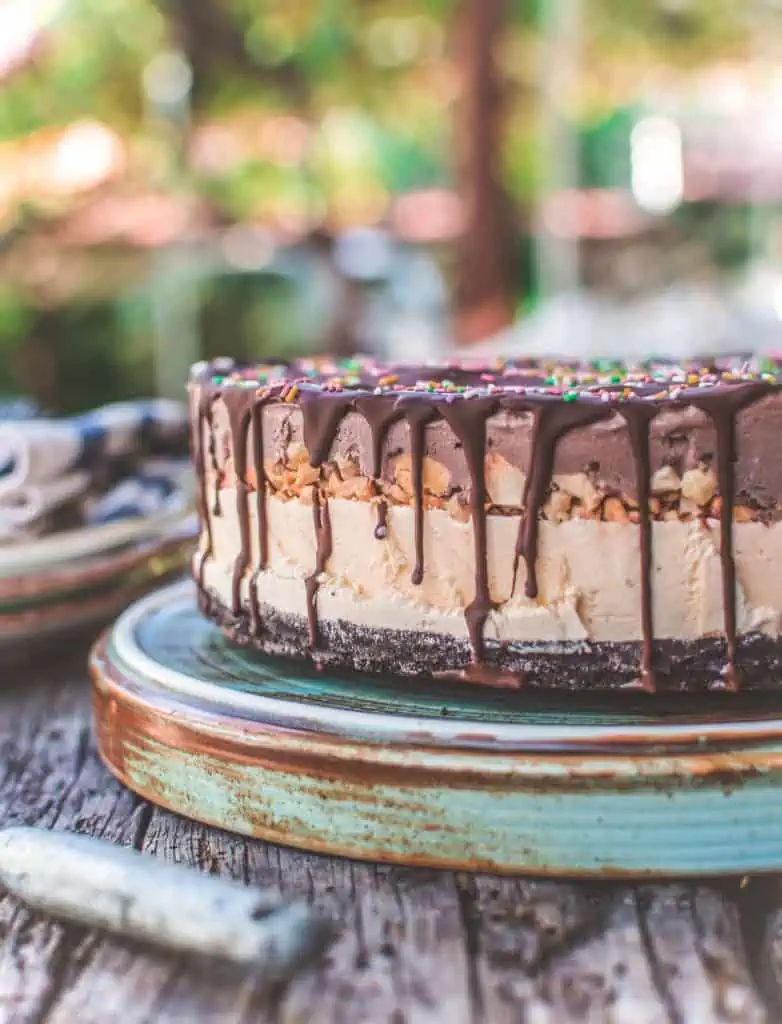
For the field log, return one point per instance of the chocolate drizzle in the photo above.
(323, 547)
(322, 414)
(323, 411)
(726, 457)
(256, 421)
(468, 422)
(256, 425)
(638, 418)
(723, 408)
(218, 473)
(260, 486)
(552, 421)
(381, 525)
(239, 419)
(320, 422)
(203, 420)
(418, 414)
(379, 413)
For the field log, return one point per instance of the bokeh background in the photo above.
(187, 178)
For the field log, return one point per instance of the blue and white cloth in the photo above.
(158, 486)
(48, 463)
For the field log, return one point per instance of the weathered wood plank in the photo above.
(401, 955)
(48, 972)
(553, 952)
(694, 938)
(415, 947)
(760, 900)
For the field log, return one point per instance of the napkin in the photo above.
(46, 464)
(157, 487)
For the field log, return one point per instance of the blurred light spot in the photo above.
(347, 135)
(285, 140)
(357, 203)
(725, 89)
(21, 25)
(363, 254)
(591, 213)
(83, 157)
(168, 78)
(215, 149)
(657, 173)
(247, 248)
(392, 42)
(270, 41)
(148, 220)
(429, 215)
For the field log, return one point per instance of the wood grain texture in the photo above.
(415, 947)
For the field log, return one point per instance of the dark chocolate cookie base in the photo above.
(680, 666)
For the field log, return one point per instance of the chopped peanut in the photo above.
(699, 485)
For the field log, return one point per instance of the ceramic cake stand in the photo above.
(434, 774)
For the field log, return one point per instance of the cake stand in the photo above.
(434, 774)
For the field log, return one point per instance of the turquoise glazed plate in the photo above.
(429, 773)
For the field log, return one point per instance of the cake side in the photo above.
(501, 525)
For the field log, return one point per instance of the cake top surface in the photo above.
(595, 381)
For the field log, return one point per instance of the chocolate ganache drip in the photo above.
(559, 399)
(418, 414)
(256, 421)
(723, 407)
(203, 424)
(321, 420)
(239, 416)
(553, 420)
(468, 422)
(638, 418)
(379, 412)
(323, 548)
(216, 469)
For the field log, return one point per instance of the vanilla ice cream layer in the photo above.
(589, 573)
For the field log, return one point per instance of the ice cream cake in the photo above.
(517, 524)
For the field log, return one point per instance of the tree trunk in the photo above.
(484, 271)
(207, 33)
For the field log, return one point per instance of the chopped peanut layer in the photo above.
(575, 495)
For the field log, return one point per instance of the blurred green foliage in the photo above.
(374, 82)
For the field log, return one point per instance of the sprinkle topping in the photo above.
(597, 381)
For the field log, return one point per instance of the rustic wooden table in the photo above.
(414, 946)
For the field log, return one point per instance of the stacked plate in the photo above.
(73, 581)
